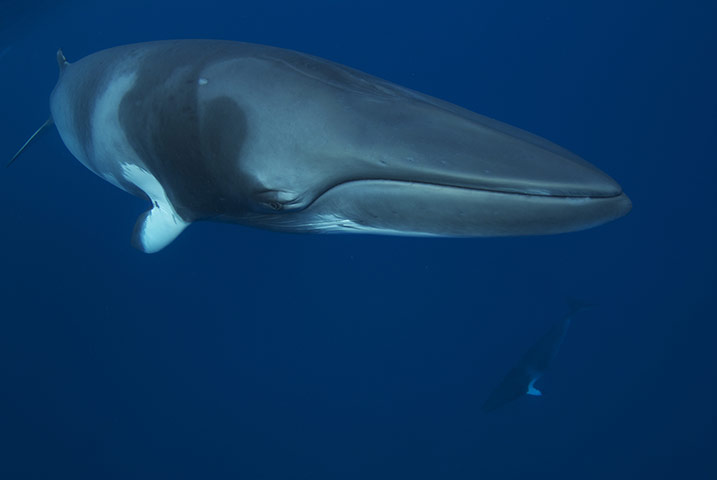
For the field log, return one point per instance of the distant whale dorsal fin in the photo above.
(576, 305)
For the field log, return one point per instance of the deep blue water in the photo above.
(241, 353)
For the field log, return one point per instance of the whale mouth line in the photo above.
(537, 192)
(415, 208)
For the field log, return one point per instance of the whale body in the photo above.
(272, 138)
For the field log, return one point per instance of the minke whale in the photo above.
(521, 379)
(272, 138)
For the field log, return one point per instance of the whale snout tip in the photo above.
(624, 205)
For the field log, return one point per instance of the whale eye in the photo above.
(270, 201)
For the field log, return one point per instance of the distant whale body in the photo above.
(272, 138)
(521, 379)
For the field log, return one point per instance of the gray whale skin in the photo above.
(272, 138)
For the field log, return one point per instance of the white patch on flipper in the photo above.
(532, 390)
(158, 227)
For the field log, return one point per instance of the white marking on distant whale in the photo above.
(203, 81)
(532, 390)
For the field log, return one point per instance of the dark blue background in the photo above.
(239, 353)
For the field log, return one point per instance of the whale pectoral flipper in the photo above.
(159, 226)
(156, 228)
